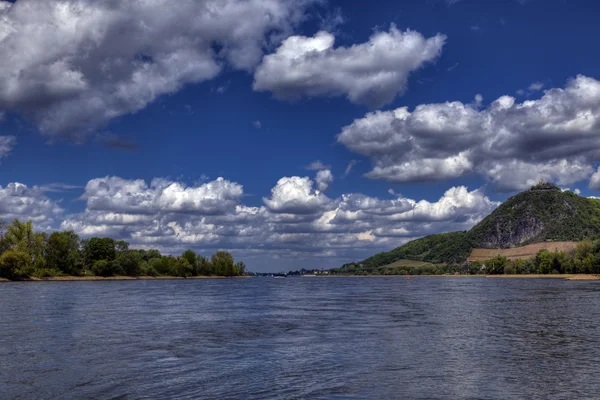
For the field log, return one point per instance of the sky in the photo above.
(292, 133)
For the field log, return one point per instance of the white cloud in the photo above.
(317, 166)
(323, 179)
(295, 195)
(531, 89)
(512, 144)
(135, 196)
(88, 62)
(371, 73)
(20, 201)
(595, 180)
(7, 143)
(257, 124)
(296, 221)
(536, 86)
(350, 166)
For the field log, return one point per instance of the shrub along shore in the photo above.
(29, 255)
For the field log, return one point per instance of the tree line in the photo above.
(585, 259)
(26, 253)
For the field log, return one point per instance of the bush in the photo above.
(148, 270)
(106, 268)
(129, 262)
(15, 264)
(47, 272)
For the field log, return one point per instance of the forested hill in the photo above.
(542, 213)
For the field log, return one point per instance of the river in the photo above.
(301, 338)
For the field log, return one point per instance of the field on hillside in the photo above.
(407, 263)
(523, 252)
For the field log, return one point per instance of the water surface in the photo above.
(299, 338)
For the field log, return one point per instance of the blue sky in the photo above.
(96, 99)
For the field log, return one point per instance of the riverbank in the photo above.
(568, 277)
(116, 278)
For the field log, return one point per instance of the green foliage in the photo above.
(204, 266)
(25, 253)
(179, 266)
(224, 264)
(543, 213)
(106, 268)
(539, 215)
(190, 257)
(444, 248)
(96, 249)
(62, 253)
(130, 262)
(241, 268)
(15, 263)
(147, 270)
(496, 265)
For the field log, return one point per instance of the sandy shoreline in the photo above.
(117, 278)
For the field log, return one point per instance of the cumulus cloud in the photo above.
(512, 144)
(295, 195)
(20, 201)
(6, 145)
(296, 221)
(371, 73)
(135, 196)
(595, 180)
(88, 62)
(323, 179)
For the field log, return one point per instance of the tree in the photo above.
(160, 265)
(130, 262)
(204, 266)
(63, 253)
(241, 266)
(150, 254)
(496, 265)
(96, 249)
(106, 268)
(21, 237)
(181, 267)
(544, 261)
(15, 264)
(121, 246)
(190, 257)
(223, 263)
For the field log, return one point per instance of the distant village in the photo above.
(301, 272)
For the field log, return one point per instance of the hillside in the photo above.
(522, 252)
(542, 213)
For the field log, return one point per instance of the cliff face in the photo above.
(536, 216)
